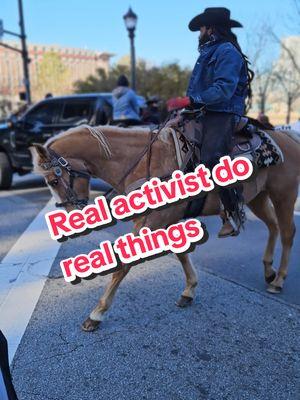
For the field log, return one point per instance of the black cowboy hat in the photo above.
(212, 16)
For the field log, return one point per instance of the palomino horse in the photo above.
(106, 152)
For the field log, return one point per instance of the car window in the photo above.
(76, 111)
(43, 114)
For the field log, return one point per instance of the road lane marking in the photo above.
(23, 273)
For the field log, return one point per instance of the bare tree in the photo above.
(264, 81)
(286, 51)
(287, 75)
(288, 80)
(287, 68)
(262, 65)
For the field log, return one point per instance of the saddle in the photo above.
(249, 140)
(246, 140)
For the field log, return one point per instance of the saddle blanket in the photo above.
(268, 153)
(261, 149)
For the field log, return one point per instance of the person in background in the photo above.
(126, 110)
(151, 113)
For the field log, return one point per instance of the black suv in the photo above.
(43, 120)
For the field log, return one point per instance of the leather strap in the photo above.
(147, 150)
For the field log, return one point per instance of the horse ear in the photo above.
(40, 150)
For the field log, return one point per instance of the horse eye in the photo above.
(54, 182)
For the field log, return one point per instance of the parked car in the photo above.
(43, 120)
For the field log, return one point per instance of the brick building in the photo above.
(80, 63)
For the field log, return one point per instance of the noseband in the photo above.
(59, 163)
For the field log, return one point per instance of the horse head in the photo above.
(67, 179)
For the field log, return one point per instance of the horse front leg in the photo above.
(97, 315)
(191, 281)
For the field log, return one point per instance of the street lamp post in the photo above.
(130, 22)
(23, 51)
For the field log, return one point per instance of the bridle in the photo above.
(59, 164)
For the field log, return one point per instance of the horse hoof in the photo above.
(184, 301)
(274, 289)
(270, 278)
(90, 325)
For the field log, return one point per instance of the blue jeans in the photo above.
(216, 142)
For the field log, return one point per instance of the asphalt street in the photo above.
(235, 341)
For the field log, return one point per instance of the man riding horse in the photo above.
(219, 86)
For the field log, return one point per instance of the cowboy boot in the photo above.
(227, 228)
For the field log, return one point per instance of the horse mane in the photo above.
(98, 134)
(95, 131)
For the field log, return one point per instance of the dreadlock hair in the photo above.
(226, 35)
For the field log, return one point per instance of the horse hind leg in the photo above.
(262, 207)
(191, 281)
(284, 208)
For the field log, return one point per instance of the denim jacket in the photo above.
(219, 78)
(125, 104)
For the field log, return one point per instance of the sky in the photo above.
(162, 34)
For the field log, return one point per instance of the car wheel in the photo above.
(6, 173)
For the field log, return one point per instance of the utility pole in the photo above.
(23, 51)
(24, 54)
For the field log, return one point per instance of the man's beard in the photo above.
(203, 38)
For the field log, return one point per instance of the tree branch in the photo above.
(287, 50)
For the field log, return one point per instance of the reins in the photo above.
(147, 150)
